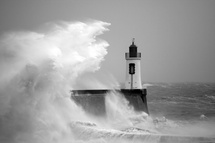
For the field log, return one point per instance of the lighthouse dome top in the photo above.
(133, 45)
(133, 49)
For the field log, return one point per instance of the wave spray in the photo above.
(37, 72)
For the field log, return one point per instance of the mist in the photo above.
(37, 72)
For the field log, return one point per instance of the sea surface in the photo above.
(178, 113)
(182, 101)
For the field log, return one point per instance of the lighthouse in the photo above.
(93, 100)
(133, 68)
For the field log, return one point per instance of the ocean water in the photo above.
(182, 101)
(179, 112)
(189, 105)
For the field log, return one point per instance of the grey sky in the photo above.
(175, 37)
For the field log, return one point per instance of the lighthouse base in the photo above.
(93, 101)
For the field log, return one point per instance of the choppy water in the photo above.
(179, 112)
(182, 101)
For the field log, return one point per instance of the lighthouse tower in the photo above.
(133, 68)
(93, 100)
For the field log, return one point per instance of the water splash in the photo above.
(120, 114)
(37, 72)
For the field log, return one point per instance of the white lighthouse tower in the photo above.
(133, 68)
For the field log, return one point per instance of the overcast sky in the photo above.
(176, 37)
